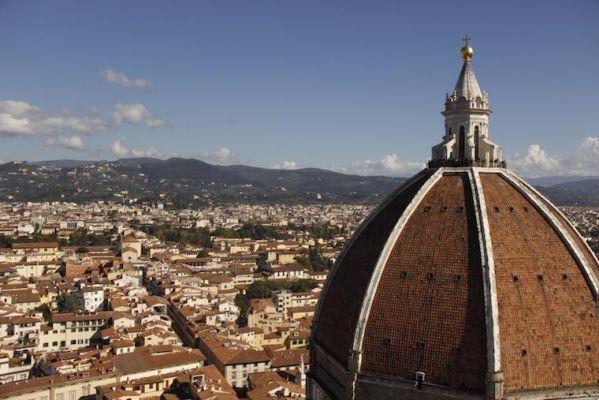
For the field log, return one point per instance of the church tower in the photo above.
(466, 139)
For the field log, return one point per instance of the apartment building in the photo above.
(70, 331)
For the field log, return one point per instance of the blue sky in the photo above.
(351, 85)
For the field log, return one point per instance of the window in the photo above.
(476, 142)
(462, 144)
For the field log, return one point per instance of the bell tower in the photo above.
(466, 139)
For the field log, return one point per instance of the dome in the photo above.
(469, 276)
(465, 283)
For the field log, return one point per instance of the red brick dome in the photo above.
(470, 279)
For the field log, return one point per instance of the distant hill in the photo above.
(64, 163)
(190, 182)
(183, 182)
(549, 181)
(583, 192)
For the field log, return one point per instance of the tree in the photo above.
(38, 237)
(202, 253)
(82, 237)
(262, 263)
(227, 233)
(82, 250)
(259, 232)
(304, 262)
(317, 261)
(243, 303)
(67, 303)
(320, 230)
(45, 310)
(303, 285)
(78, 238)
(155, 288)
(258, 290)
(166, 233)
(5, 241)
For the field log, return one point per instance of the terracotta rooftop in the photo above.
(37, 245)
(232, 352)
(65, 317)
(156, 357)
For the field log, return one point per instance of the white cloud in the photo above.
(585, 160)
(119, 150)
(121, 79)
(221, 156)
(135, 114)
(537, 162)
(149, 152)
(387, 165)
(69, 142)
(19, 118)
(17, 109)
(11, 125)
(287, 164)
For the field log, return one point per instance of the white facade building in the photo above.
(90, 298)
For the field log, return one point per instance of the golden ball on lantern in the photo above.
(467, 52)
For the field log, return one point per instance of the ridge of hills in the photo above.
(190, 182)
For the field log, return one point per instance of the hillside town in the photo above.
(136, 302)
(128, 302)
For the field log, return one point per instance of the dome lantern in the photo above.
(466, 139)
